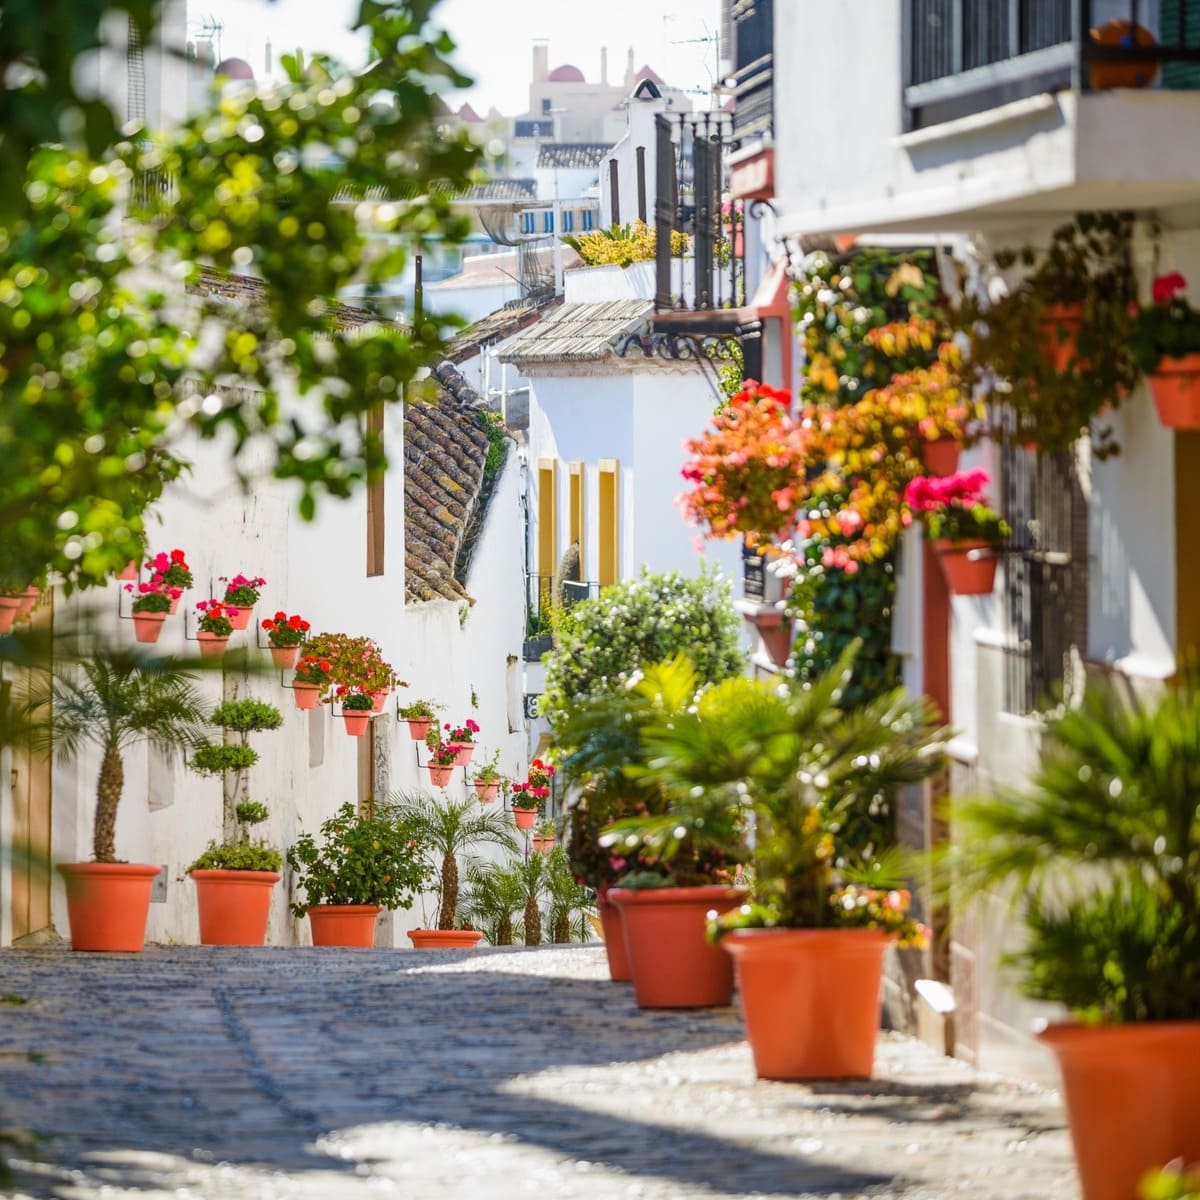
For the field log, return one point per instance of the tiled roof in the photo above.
(495, 327)
(445, 448)
(572, 154)
(254, 291)
(505, 190)
(578, 332)
(491, 190)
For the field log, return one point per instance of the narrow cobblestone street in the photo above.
(339, 1074)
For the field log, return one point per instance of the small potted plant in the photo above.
(462, 738)
(378, 678)
(544, 836)
(488, 780)
(420, 715)
(241, 595)
(216, 626)
(529, 796)
(443, 758)
(170, 571)
(151, 605)
(357, 707)
(367, 862)
(964, 530)
(285, 634)
(1166, 345)
(311, 679)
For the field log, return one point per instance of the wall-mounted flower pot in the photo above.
(356, 722)
(1059, 330)
(614, 940)
(418, 727)
(440, 776)
(128, 571)
(174, 605)
(1132, 1094)
(9, 607)
(28, 602)
(234, 906)
(673, 963)
(444, 939)
(284, 657)
(148, 625)
(969, 566)
(343, 924)
(1175, 385)
(241, 618)
(941, 456)
(107, 904)
(306, 695)
(487, 792)
(462, 752)
(810, 999)
(379, 699)
(543, 843)
(524, 817)
(211, 644)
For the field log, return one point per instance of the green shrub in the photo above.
(214, 759)
(247, 716)
(250, 812)
(243, 857)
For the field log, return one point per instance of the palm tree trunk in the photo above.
(562, 928)
(533, 923)
(108, 796)
(504, 931)
(449, 893)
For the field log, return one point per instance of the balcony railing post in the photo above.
(665, 208)
(957, 32)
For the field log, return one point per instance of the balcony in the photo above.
(754, 70)
(540, 601)
(966, 56)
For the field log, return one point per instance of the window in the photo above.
(375, 498)
(527, 223)
(588, 218)
(608, 503)
(576, 486)
(568, 220)
(548, 221)
(547, 522)
(545, 106)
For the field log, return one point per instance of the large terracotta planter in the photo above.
(810, 999)
(444, 939)
(28, 602)
(107, 904)
(462, 752)
(148, 625)
(1132, 1094)
(524, 817)
(343, 924)
(1175, 385)
(306, 695)
(440, 776)
(941, 456)
(356, 722)
(967, 575)
(614, 941)
(673, 963)
(241, 618)
(9, 607)
(1059, 330)
(211, 644)
(284, 657)
(234, 906)
(418, 727)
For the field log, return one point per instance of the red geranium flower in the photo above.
(1167, 287)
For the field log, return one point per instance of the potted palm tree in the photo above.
(1102, 851)
(448, 832)
(570, 903)
(491, 900)
(112, 700)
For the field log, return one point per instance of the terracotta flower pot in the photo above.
(614, 941)
(418, 727)
(524, 817)
(673, 963)
(444, 939)
(211, 644)
(306, 695)
(543, 843)
(1132, 1094)
(107, 904)
(128, 571)
(463, 752)
(148, 625)
(487, 792)
(174, 605)
(1175, 385)
(28, 602)
(284, 657)
(380, 699)
(343, 924)
(967, 576)
(1130, 72)
(234, 906)
(440, 776)
(356, 722)
(241, 618)
(810, 999)
(941, 456)
(9, 607)
(1059, 330)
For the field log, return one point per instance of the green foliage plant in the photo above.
(491, 899)
(569, 903)
(113, 699)
(1168, 327)
(1102, 853)
(353, 700)
(244, 856)
(419, 710)
(363, 859)
(623, 245)
(149, 599)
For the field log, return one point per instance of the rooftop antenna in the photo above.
(712, 39)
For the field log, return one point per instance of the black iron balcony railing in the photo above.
(754, 69)
(966, 56)
(542, 595)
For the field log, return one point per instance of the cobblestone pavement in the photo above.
(271, 1074)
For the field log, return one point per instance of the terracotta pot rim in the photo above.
(461, 937)
(676, 895)
(218, 873)
(348, 909)
(783, 933)
(1075, 1035)
(133, 870)
(949, 546)
(1178, 364)
(150, 616)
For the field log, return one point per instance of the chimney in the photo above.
(541, 61)
(267, 58)
(629, 70)
(604, 65)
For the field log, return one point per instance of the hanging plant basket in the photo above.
(941, 456)
(524, 817)
(418, 727)
(463, 752)
(440, 776)
(212, 645)
(1059, 330)
(128, 571)
(379, 699)
(284, 657)
(356, 722)
(1175, 385)
(148, 625)
(9, 607)
(241, 618)
(306, 695)
(969, 566)
(487, 792)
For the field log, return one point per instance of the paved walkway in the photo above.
(230, 1074)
